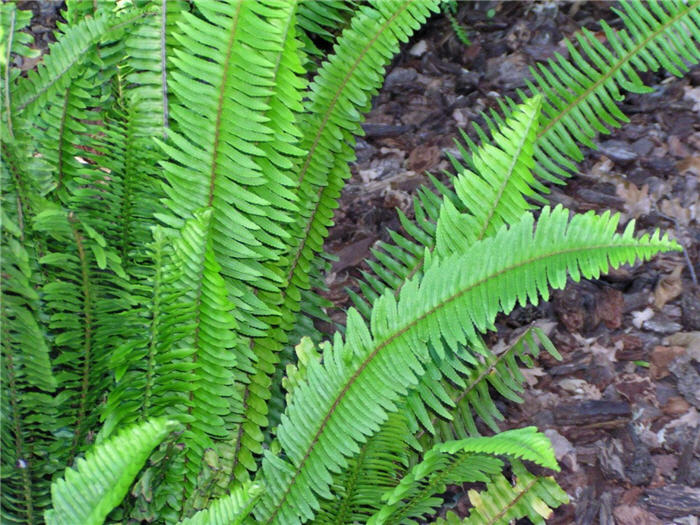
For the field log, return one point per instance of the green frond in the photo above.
(482, 201)
(581, 92)
(322, 20)
(198, 381)
(13, 41)
(377, 468)
(528, 496)
(495, 193)
(27, 379)
(65, 59)
(446, 409)
(247, 121)
(98, 482)
(338, 96)
(229, 510)
(454, 462)
(363, 377)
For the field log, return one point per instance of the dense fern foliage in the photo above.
(169, 174)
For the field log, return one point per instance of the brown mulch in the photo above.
(622, 407)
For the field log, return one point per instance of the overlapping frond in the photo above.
(196, 371)
(454, 462)
(502, 502)
(377, 468)
(229, 510)
(448, 409)
(28, 381)
(61, 65)
(338, 97)
(363, 377)
(98, 482)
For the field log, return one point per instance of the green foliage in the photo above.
(169, 174)
(90, 490)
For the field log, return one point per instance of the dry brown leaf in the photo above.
(668, 288)
(532, 375)
(637, 201)
(689, 165)
(689, 340)
(674, 208)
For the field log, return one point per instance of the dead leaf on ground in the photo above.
(637, 201)
(580, 388)
(689, 165)
(674, 208)
(661, 357)
(668, 288)
(532, 375)
(640, 316)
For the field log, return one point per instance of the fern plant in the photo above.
(169, 174)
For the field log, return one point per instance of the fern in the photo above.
(169, 173)
(458, 462)
(88, 492)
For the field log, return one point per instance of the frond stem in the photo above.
(87, 343)
(8, 107)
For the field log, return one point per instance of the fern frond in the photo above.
(88, 492)
(229, 510)
(198, 381)
(362, 378)
(455, 462)
(13, 41)
(581, 93)
(323, 20)
(502, 502)
(446, 409)
(340, 93)
(65, 59)
(27, 380)
(377, 469)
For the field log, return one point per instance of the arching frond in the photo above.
(363, 377)
(98, 482)
(338, 97)
(581, 92)
(502, 502)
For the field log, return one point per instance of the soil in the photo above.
(623, 405)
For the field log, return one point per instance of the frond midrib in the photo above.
(611, 72)
(484, 373)
(514, 501)
(220, 105)
(322, 127)
(406, 328)
(87, 343)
